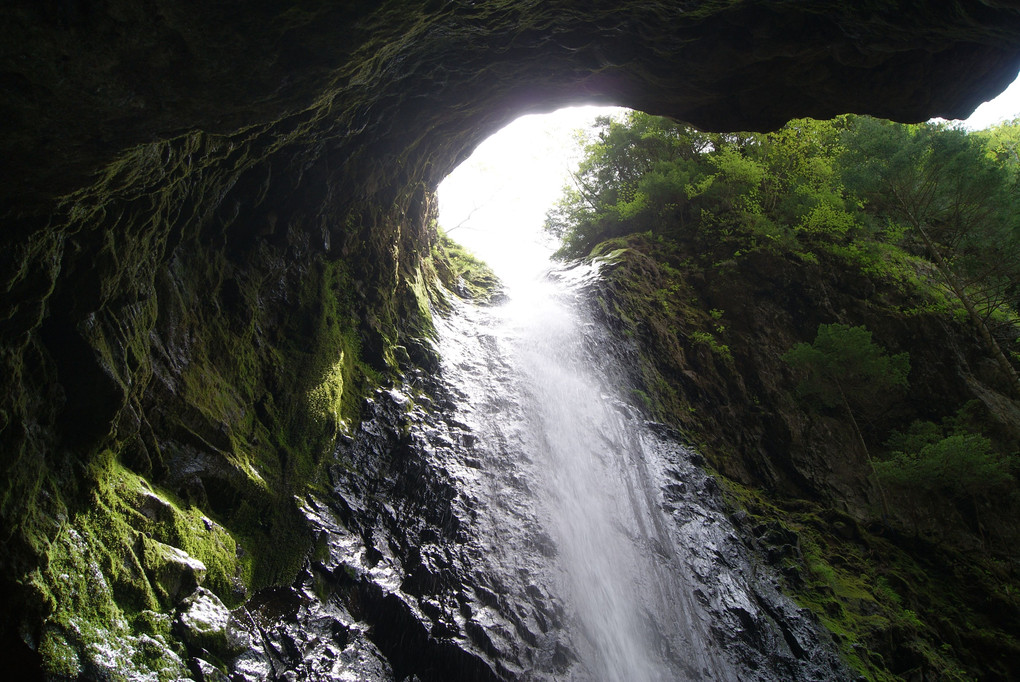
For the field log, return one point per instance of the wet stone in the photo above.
(425, 568)
(207, 672)
(205, 623)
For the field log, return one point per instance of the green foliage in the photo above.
(861, 188)
(844, 367)
(963, 464)
(638, 175)
(461, 272)
(843, 363)
(1002, 145)
(952, 460)
(955, 192)
(709, 339)
(646, 173)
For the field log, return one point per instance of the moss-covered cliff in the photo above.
(902, 601)
(218, 369)
(216, 238)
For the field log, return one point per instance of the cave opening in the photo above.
(494, 203)
(216, 242)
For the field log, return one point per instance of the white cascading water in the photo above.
(605, 524)
(534, 388)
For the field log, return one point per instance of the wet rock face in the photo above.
(400, 584)
(422, 571)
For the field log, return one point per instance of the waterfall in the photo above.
(510, 515)
(539, 387)
(504, 512)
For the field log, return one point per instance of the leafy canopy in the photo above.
(949, 459)
(871, 192)
(646, 173)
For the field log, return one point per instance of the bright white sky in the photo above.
(495, 202)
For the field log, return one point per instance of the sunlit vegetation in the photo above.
(832, 289)
(927, 202)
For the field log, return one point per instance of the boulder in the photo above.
(204, 623)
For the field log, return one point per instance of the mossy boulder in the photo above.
(173, 571)
(204, 623)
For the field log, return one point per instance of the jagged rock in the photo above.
(154, 507)
(206, 624)
(207, 672)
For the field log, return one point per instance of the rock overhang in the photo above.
(422, 83)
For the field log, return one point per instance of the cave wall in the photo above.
(217, 217)
(84, 80)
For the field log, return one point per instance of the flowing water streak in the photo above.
(555, 429)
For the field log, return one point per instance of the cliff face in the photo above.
(217, 236)
(708, 373)
(893, 579)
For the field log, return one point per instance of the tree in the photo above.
(647, 173)
(634, 177)
(1002, 146)
(931, 462)
(844, 367)
(942, 184)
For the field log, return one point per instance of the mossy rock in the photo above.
(173, 571)
(205, 624)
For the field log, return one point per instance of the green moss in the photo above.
(272, 396)
(460, 271)
(222, 327)
(153, 623)
(188, 528)
(337, 374)
(888, 612)
(662, 312)
(60, 659)
(93, 585)
(99, 585)
(421, 293)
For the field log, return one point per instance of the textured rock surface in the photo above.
(807, 504)
(216, 237)
(172, 570)
(83, 81)
(768, 301)
(206, 623)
